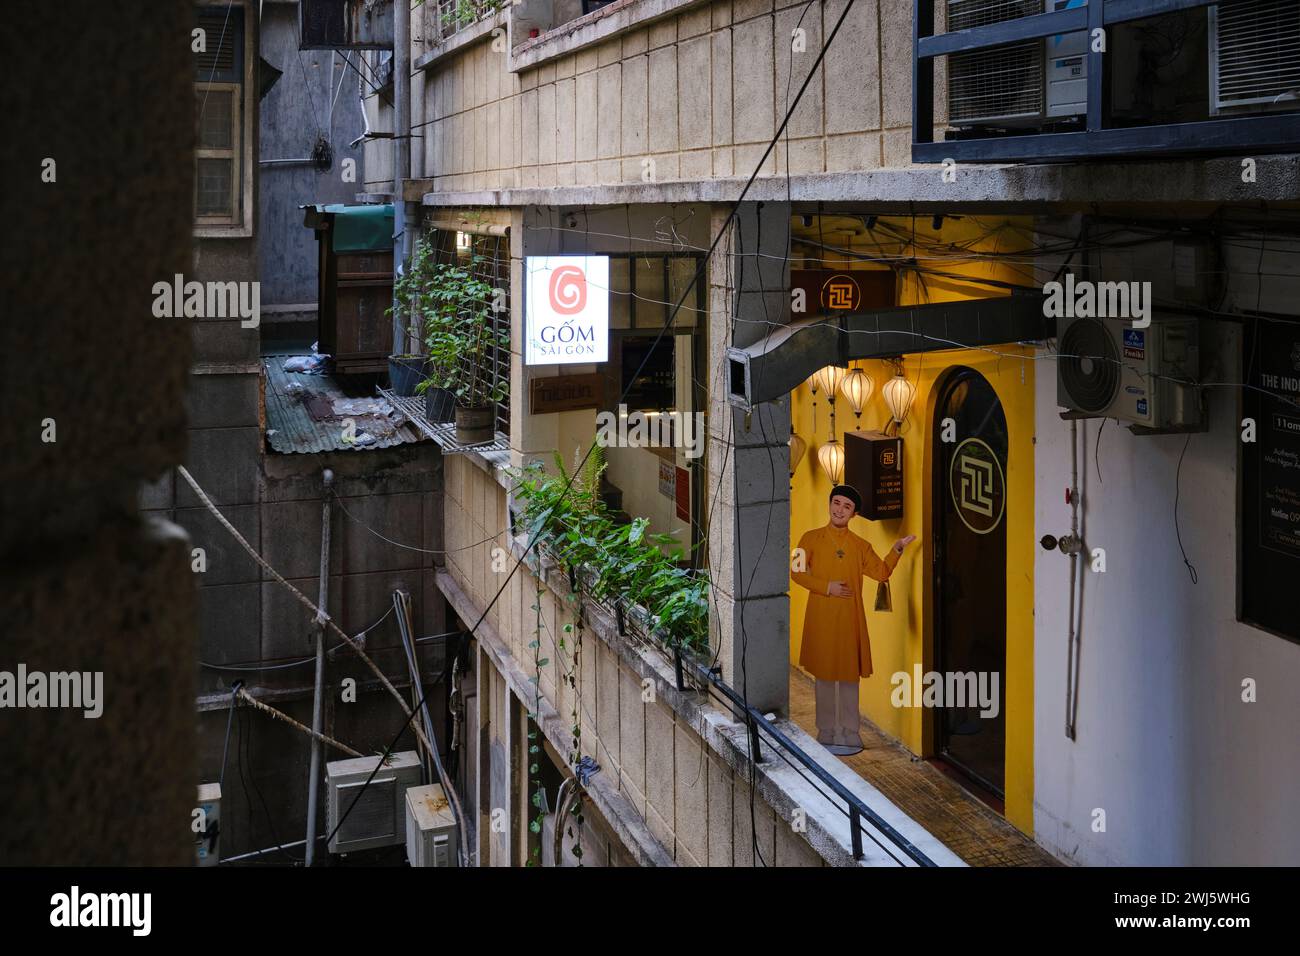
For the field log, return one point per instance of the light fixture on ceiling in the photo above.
(831, 457)
(828, 379)
(857, 388)
(898, 393)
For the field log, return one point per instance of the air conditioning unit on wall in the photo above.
(1254, 56)
(430, 827)
(1020, 84)
(379, 817)
(1106, 368)
(1226, 59)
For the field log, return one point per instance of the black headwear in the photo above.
(848, 491)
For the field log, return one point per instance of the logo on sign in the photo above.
(568, 290)
(840, 293)
(1135, 343)
(977, 485)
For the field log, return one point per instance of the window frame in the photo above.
(232, 153)
(241, 223)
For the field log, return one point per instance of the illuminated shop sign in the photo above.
(566, 310)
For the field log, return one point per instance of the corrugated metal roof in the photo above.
(291, 427)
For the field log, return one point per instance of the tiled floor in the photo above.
(972, 830)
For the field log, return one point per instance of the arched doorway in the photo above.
(969, 490)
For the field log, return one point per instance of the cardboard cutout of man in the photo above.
(836, 649)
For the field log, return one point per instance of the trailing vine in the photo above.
(534, 744)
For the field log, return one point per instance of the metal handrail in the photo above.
(756, 721)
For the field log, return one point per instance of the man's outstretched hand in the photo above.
(902, 543)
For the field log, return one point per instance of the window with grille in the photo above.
(219, 114)
(488, 258)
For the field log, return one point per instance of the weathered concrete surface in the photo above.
(1019, 188)
(88, 585)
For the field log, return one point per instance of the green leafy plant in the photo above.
(628, 562)
(454, 310)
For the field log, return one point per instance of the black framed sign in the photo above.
(1269, 565)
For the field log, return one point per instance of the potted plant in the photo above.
(407, 370)
(461, 335)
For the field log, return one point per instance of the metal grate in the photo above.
(444, 433)
(223, 40)
(493, 267)
(998, 84)
(1257, 53)
(967, 14)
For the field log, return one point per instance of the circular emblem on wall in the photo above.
(840, 293)
(977, 485)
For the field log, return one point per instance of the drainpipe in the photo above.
(402, 154)
(318, 693)
(1074, 572)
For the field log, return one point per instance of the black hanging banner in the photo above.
(1269, 564)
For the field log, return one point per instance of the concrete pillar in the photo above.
(749, 525)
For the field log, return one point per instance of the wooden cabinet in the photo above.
(355, 286)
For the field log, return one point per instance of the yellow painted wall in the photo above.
(901, 638)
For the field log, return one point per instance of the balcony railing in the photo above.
(452, 16)
(1095, 133)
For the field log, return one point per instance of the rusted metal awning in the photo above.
(308, 413)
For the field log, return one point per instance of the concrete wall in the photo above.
(689, 799)
(1186, 772)
(316, 94)
(695, 94)
(89, 583)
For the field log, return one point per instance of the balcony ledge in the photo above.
(1019, 188)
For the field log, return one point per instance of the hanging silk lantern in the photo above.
(797, 449)
(828, 379)
(857, 388)
(899, 393)
(831, 457)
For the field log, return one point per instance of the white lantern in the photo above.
(828, 379)
(899, 392)
(831, 457)
(857, 388)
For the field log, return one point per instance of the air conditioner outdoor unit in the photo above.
(1106, 368)
(1022, 84)
(378, 819)
(430, 827)
(1254, 56)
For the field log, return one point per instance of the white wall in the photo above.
(1186, 772)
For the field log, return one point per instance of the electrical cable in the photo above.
(1191, 569)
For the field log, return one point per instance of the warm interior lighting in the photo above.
(899, 392)
(857, 388)
(797, 449)
(828, 379)
(831, 457)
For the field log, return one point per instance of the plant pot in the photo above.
(405, 372)
(439, 405)
(474, 425)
